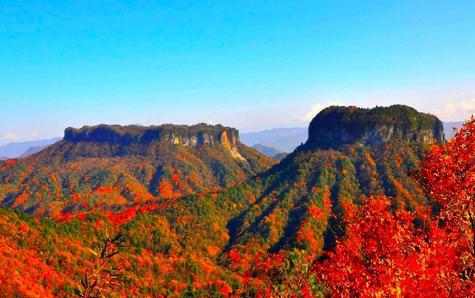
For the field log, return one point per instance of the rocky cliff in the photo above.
(335, 127)
(195, 135)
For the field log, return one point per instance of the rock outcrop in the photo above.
(195, 135)
(335, 127)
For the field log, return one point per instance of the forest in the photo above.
(366, 219)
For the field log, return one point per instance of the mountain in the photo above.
(15, 150)
(351, 153)
(451, 127)
(111, 165)
(208, 244)
(280, 156)
(282, 139)
(269, 151)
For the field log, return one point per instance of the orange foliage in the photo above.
(104, 190)
(24, 274)
(166, 189)
(213, 250)
(316, 212)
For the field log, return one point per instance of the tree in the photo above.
(448, 175)
(398, 253)
(97, 281)
(391, 254)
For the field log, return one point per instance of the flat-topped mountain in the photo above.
(335, 127)
(117, 165)
(351, 153)
(116, 140)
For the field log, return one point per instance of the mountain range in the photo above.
(23, 149)
(202, 214)
(275, 143)
(281, 139)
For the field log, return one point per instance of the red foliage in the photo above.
(65, 217)
(234, 256)
(120, 218)
(449, 177)
(24, 274)
(224, 289)
(315, 212)
(386, 254)
(104, 190)
(11, 162)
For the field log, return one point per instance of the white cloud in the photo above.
(11, 137)
(457, 109)
(8, 137)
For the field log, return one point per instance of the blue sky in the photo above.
(248, 64)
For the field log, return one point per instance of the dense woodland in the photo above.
(360, 219)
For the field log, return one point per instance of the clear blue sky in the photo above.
(249, 64)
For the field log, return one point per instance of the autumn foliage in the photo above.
(176, 246)
(449, 176)
(387, 253)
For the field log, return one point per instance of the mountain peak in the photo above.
(337, 126)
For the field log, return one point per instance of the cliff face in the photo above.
(196, 135)
(335, 127)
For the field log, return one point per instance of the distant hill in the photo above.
(282, 139)
(451, 127)
(280, 156)
(33, 150)
(15, 150)
(269, 151)
(111, 165)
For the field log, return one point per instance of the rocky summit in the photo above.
(336, 126)
(195, 135)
